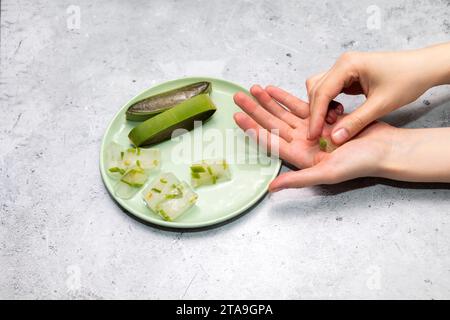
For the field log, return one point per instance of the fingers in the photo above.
(272, 143)
(264, 118)
(340, 76)
(313, 81)
(318, 115)
(335, 109)
(266, 101)
(311, 84)
(295, 105)
(353, 123)
(320, 98)
(302, 178)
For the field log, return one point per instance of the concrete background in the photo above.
(61, 235)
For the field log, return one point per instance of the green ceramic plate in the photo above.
(251, 170)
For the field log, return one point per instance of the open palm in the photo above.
(279, 111)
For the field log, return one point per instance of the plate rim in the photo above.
(175, 224)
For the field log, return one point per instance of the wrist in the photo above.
(418, 155)
(392, 153)
(391, 165)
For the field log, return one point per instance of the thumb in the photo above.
(299, 179)
(351, 124)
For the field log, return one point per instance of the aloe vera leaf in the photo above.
(164, 215)
(182, 116)
(174, 193)
(197, 168)
(116, 169)
(153, 105)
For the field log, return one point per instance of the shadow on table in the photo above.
(361, 183)
(332, 198)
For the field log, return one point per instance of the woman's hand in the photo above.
(389, 80)
(362, 156)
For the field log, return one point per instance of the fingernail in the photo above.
(340, 136)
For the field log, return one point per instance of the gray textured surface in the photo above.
(61, 235)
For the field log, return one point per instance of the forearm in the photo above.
(418, 155)
(436, 63)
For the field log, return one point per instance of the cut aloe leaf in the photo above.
(153, 105)
(117, 170)
(326, 145)
(208, 172)
(182, 116)
(120, 159)
(169, 197)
